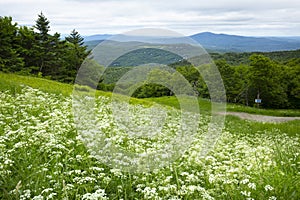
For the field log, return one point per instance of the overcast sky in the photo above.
(248, 17)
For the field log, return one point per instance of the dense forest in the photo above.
(273, 77)
(234, 58)
(34, 51)
(278, 85)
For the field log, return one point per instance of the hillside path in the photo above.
(261, 118)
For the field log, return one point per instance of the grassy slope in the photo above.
(12, 82)
(204, 105)
(237, 125)
(285, 183)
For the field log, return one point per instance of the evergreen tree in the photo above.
(49, 50)
(75, 38)
(42, 45)
(76, 54)
(56, 62)
(9, 58)
(43, 27)
(26, 43)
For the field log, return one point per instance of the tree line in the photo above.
(237, 58)
(34, 51)
(276, 84)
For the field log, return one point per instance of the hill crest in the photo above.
(227, 43)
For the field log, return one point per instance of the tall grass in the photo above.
(41, 156)
(205, 106)
(12, 83)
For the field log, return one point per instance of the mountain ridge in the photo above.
(226, 42)
(237, 43)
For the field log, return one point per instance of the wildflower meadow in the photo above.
(42, 156)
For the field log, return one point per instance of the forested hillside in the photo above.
(34, 51)
(277, 84)
(234, 58)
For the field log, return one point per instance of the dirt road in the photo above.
(261, 118)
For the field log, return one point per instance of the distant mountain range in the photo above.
(234, 43)
(97, 37)
(226, 43)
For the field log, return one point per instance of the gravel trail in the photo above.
(260, 118)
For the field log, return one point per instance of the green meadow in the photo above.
(43, 157)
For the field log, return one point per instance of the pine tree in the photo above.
(56, 62)
(42, 45)
(77, 53)
(26, 39)
(43, 27)
(9, 58)
(75, 38)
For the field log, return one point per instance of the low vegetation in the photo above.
(42, 156)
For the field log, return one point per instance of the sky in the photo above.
(187, 17)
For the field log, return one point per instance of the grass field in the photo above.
(205, 106)
(42, 156)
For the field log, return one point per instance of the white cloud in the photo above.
(272, 17)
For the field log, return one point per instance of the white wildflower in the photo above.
(25, 195)
(252, 186)
(39, 197)
(97, 195)
(272, 198)
(268, 188)
(245, 181)
(245, 193)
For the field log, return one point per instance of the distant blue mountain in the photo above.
(97, 37)
(226, 43)
(235, 43)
